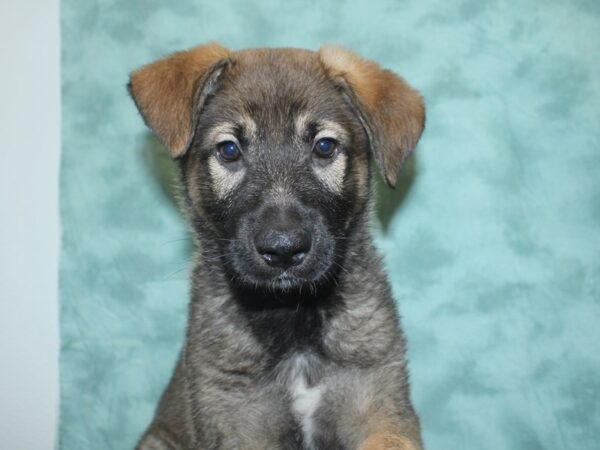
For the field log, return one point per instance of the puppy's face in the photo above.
(274, 150)
(277, 169)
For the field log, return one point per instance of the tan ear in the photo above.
(170, 91)
(390, 110)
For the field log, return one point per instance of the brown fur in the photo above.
(393, 436)
(164, 92)
(392, 111)
(387, 441)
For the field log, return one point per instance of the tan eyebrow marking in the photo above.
(324, 128)
(331, 129)
(229, 130)
(249, 126)
(301, 123)
(223, 131)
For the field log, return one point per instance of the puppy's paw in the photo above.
(388, 441)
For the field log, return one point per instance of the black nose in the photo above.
(282, 248)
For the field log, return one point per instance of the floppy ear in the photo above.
(169, 92)
(391, 112)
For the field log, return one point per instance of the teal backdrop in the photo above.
(491, 241)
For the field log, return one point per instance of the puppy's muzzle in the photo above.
(283, 248)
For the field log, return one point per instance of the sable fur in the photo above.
(310, 356)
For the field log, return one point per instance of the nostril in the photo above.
(282, 248)
(271, 259)
(298, 258)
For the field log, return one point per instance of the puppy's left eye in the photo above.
(229, 151)
(325, 148)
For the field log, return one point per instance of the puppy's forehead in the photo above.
(271, 84)
(276, 67)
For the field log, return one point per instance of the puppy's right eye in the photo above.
(229, 151)
(325, 148)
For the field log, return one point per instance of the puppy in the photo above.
(293, 341)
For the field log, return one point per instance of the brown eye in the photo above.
(229, 151)
(325, 148)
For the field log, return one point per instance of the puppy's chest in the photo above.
(299, 376)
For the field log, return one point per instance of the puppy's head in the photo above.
(274, 147)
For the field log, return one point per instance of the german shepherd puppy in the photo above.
(293, 341)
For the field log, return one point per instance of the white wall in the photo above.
(29, 231)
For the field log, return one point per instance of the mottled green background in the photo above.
(492, 242)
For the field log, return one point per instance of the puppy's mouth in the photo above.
(286, 282)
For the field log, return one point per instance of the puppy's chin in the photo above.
(287, 283)
(293, 281)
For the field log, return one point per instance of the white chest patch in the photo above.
(305, 400)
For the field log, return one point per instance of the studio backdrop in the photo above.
(491, 239)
